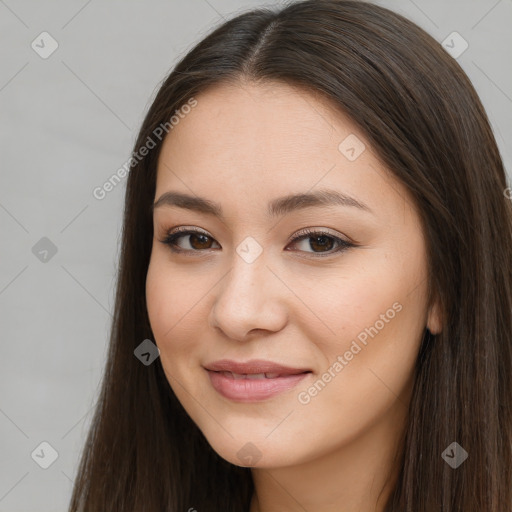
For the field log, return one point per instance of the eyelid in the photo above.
(314, 231)
(175, 233)
(186, 229)
(294, 236)
(343, 243)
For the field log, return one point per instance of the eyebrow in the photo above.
(276, 207)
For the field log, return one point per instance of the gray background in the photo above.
(67, 124)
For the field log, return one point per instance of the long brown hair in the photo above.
(424, 120)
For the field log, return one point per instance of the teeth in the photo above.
(251, 376)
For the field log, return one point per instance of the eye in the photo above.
(321, 242)
(197, 240)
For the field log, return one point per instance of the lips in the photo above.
(254, 369)
(253, 381)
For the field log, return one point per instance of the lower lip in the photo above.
(253, 390)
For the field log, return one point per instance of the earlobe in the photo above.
(435, 320)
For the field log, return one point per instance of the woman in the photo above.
(314, 305)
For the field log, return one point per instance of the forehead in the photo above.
(249, 111)
(246, 126)
(251, 142)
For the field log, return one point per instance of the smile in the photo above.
(253, 387)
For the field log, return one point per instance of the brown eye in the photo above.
(317, 243)
(193, 240)
(200, 241)
(320, 243)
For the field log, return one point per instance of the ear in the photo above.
(435, 318)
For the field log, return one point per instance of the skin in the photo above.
(243, 145)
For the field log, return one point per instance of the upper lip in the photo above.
(252, 367)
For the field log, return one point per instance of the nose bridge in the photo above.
(248, 268)
(247, 299)
(244, 281)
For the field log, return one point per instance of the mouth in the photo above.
(253, 381)
(254, 367)
(257, 376)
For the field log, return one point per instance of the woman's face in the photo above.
(252, 285)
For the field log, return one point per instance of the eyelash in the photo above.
(343, 245)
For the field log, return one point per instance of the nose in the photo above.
(250, 300)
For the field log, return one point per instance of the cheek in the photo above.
(175, 305)
(169, 293)
(374, 313)
(370, 360)
(159, 298)
(348, 299)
